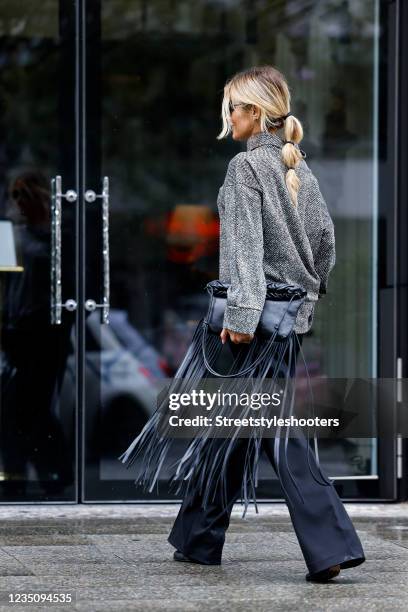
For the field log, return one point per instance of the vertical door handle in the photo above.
(56, 220)
(91, 196)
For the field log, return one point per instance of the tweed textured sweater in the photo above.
(264, 237)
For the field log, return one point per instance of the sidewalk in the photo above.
(116, 557)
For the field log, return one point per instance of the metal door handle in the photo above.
(91, 196)
(56, 220)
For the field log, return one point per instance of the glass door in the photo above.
(155, 75)
(38, 208)
(110, 170)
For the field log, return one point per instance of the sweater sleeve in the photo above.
(243, 216)
(325, 255)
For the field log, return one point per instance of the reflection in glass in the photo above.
(163, 67)
(37, 449)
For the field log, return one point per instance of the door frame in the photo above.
(390, 317)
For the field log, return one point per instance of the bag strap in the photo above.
(254, 363)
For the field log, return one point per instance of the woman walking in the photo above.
(275, 226)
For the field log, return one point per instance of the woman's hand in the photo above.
(235, 337)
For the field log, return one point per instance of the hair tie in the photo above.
(289, 141)
(278, 121)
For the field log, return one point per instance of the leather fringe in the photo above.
(202, 467)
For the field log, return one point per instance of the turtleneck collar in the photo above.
(264, 139)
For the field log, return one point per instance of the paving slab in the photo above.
(115, 557)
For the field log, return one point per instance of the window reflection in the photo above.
(33, 443)
(37, 380)
(163, 69)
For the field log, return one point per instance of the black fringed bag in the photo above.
(282, 303)
(202, 464)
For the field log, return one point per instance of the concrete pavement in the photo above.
(116, 557)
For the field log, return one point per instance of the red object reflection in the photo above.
(192, 231)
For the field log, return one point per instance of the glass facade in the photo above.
(37, 359)
(132, 92)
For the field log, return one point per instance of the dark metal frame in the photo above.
(402, 190)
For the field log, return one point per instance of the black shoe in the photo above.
(325, 575)
(179, 556)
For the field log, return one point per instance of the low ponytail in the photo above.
(291, 154)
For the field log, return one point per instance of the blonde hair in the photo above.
(266, 88)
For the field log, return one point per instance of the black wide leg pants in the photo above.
(324, 530)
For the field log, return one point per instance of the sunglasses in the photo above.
(232, 106)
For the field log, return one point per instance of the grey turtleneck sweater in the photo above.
(265, 237)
